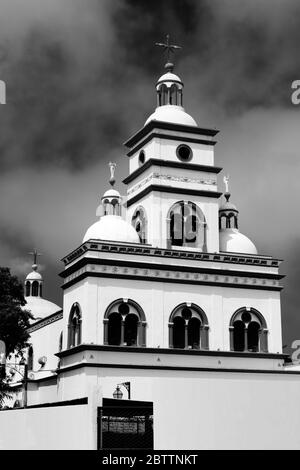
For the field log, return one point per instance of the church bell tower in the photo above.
(172, 176)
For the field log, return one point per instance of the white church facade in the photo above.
(166, 299)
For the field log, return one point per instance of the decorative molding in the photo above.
(148, 250)
(155, 176)
(171, 164)
(145, 274)
(173, 190)
(46, 321)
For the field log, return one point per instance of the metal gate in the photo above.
(125, 424)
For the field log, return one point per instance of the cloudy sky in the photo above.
(80, 78)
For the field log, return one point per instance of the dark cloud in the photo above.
(80, 79)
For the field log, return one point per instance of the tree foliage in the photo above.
(14, 320)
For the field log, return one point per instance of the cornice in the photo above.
(173, 190)
(163, 351)
(46, 321)
(149, 251)
(141, 271)
(168, 126)
(170, 164)
(153, 135)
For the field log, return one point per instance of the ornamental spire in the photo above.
(169, 49)
(112, 167)
(35, 255)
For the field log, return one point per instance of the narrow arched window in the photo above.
(30, 358)
(131, 329)
(60, 342)
(35, 289)
(124, 324)
(74, 327)
(248, 331)
(27, 288)
(179, 333)
(139, 222)
(188, 327)
(186, 226)
(114, 328)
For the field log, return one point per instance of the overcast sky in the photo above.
(80, 78)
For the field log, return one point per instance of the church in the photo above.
(169, 336)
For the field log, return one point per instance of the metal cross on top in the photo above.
(168, 48)
(35, 255)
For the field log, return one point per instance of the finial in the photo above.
(112, 167)
(35, 255)
(168, 48)
(226, 182)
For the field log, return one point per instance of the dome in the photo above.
(40, 308)
(232, 241)
(34, 276)
(112, 228)
(173, 114)
(112, 193)
(228, 206)
(169, 77)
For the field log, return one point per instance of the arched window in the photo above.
(139, 222)
(35, 289)
(124, 324)
(60, 342)
(186, 226)
(74, 327)
(188, 327)
(27, 288)
(228, 220)
(30, 358)
(248, 331)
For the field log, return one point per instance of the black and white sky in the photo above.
(80, 78)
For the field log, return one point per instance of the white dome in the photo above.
(112, 228)
(173, 114)
(232, 241)
(111, 193)
(34, 276)
(169, 77)
(40, 308)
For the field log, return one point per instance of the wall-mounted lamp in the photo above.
(118, 394)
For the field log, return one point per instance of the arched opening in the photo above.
(188, 327)
(35, 289)
(124, 324)
(139, 222)
(194, 333)
(239, 336)
(30, 358)
(248, 331)
(74, 327)
(187, 226)
(179, 333)
(131, 329)
(60, 342)
(253, 336)
(114, 328)
(27, 288)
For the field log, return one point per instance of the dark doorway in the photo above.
(125, 424)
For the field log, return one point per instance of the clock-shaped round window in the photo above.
(184, 153)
